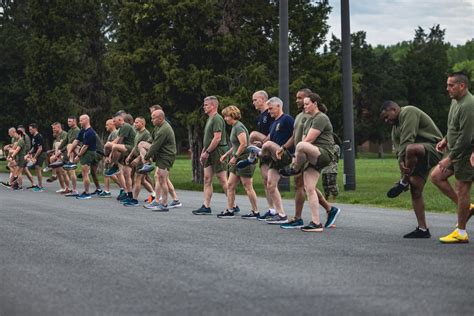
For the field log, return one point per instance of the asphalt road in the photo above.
(62, 256)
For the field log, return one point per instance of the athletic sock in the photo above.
(462, 232)
(403, 183)
(423, 229)
(130, 195)
(273, 211)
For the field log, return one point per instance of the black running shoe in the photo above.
(288, 172)
(56, 164)
(418, 233)
(202, 211)
(226, 214)
(397, 189)
(5, 184)
(312, 227)
(236, 209)
(251, 215)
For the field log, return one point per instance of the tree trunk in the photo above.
(380, 152)
(195, 145)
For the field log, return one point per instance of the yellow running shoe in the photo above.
(454, 238)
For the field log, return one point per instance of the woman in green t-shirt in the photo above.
(313, 153)
(239, 139)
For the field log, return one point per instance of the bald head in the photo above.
(109, 125)
(11, 131)
(85, 121)
(259, 99)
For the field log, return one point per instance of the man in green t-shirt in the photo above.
(457, 146)
(163, 152)
(113, 132)
(116, 152)
(414, 136)
(214, 146)
(54, 154)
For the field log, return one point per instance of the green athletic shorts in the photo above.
(165, 162)
(285, 160)
(324, 160)
(89, 158)
(246, 172)
(125, 154)
(463, 170)
(214, 160)
(430, 160)
(40, 160)
(20, 161)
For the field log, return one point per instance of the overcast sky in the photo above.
(388, 22)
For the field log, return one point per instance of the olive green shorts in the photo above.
(463, 170)
(89, 158)
(20, 161)
(324, 160)
(165, 162)
(246, 172)
(40, 160)
(214, 160)
(125, 154)
(431, 159)
(285, 160)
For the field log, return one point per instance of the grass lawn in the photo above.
(373, 178)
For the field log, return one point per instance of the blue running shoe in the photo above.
(112, 171)
(105, 194)
(84, 196)
(332, 215)
(254, 150)
(175, 204)
(277, 219)
(148, 167)
(266, 216)
(121, 195)
(243, 163)
(293, 223)
(202, 211)
(236, 209)
(131, 203)
(38, 189)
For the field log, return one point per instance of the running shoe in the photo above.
(149, 199)
(277, 220)
(72, 194)
(251, 215)
(288, 172)
(293, 223)
(69, 166)
(148, 167)
(156, 207)
(5, 184)
(397, 189)
(236, 209)
(97, 192)
(105, 194)
(121, 195)
(17, 187)
(243, 163)
(202, 211)
(266, 216)
(51, 179)
(312, 227)
(32, 187)
(418, 233)
(38, 189)
(254, 150)
(131, 203)
(56, 164)
(112, 171)
(84, 196)
(125, 199)
(332, 215)
(226, 214)
(46, 169)
(61, 191)
(455, 238)
(175, 204)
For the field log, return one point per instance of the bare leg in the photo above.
(248, 185)
(463, 188)
(311, 177)
(273, 179)
(416, 188)
(440, 179)
(231, 186)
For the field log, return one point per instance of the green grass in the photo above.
(373, 178)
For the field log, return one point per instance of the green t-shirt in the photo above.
(128, 133)
(300, 120)
(22, 145)
(414, 126)
(322, 123)
(238, 129)
(164, 143)
(71, 136)
(460, 134)
(214, 124)
(61, 136)
(143, 136)
(27, 142)
(113, 135)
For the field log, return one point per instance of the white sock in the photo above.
(462, 232)
(422, 229)
(272, 211)
(403, 183)
(153, 194)
(251, 158)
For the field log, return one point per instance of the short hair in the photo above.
(118, 114)
(20, 132)
(232, 111)
(460, 77)
(57, 123)
(20, 127)
(305, 91)
(155, 107)
(128, 118)
(141, 118)
(33, 125)
(275, 100)
(72, 117)
(314, 97)
(388, 104)
(262, 93)
(212, 98)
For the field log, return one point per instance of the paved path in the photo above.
(62, 256)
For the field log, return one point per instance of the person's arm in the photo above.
(214, 142)
(227, 153)
(466, 126)
(82, 151)
(409, 127)
(313, 134)
(155, 146)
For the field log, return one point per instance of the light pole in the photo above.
(348, 111)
